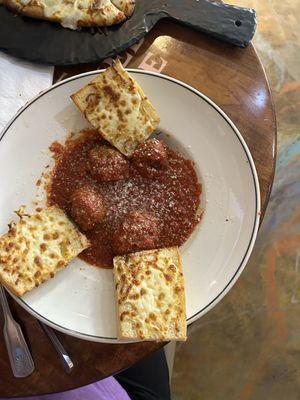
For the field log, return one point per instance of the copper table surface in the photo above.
(235, 80)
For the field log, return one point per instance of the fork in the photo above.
(63, 355)
(19, 355)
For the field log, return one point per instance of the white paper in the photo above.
(20, 81)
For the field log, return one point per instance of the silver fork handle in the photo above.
(19, 355)
(64, 356)
(4, 303)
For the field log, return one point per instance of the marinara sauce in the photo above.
(173, 197)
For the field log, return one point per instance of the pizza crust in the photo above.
(127, 6)
(29, 11)
(74, 13)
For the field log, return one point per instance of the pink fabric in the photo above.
(107, 389)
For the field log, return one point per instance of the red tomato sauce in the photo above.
(173, 197)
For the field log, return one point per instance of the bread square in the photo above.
(150, 295)
(37, 247)
(118, 108)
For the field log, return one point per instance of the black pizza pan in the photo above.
(49, 43)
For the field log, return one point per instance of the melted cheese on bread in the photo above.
(118, 108)
(37, 247)
(150, 295)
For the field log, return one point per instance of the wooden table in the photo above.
(235, 80)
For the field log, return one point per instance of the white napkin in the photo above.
(19, 82)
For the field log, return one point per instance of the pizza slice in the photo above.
(74, 13)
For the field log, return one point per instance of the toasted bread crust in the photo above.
(118, 108)
(150, 295)
(37, 247)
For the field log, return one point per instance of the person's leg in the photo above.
(148, 379)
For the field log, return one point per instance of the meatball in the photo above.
(87, 207)
(150, 158)
(138, 231)
(107, 164)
